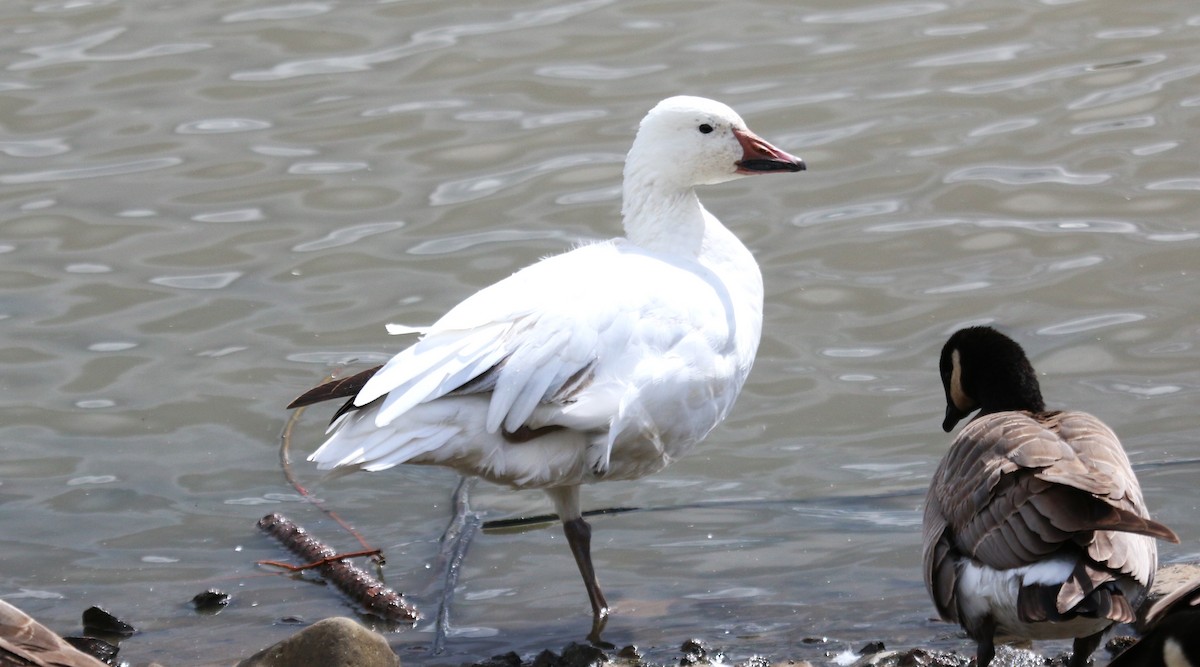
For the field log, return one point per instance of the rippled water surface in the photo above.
(205, 208)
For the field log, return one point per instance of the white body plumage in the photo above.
(636, 354)
(607, 362)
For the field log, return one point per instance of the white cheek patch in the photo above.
(957, 396)
(1173, 655)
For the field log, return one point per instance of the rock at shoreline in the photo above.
(332, 642)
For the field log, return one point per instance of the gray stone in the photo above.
(333, 642)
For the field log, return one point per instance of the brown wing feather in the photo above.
(937, 545)
(1017, 487)
(1183, 598)
(24, 641)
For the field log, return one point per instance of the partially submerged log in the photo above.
(360, 586)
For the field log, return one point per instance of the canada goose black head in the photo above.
(982, 369)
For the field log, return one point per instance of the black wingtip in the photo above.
(347, 387)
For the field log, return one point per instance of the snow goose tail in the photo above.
(607, 362)
(1034, 523)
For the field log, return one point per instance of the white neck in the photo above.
(668, 218)
(661, 216)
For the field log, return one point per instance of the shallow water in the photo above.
(207, 207)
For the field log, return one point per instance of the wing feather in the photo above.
(544, 351)
(528, 373)
(433, 367)
(1017, 488)
(24, 641)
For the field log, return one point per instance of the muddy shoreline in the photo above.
(346, 642)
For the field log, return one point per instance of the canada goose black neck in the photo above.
(982, 369)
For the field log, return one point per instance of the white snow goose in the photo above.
(1034, 524)
(604, 363)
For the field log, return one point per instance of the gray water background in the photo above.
(206, 207)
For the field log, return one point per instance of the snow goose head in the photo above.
(683, 142)
(691, 141)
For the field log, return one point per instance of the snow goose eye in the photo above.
(705, 128)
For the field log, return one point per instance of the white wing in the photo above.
(542, 332)
(594, 340)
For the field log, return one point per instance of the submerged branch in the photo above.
(355, 583)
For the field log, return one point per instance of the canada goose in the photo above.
(1173, 637)
(607, 362)
(1034, 522)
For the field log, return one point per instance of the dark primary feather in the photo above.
(347, 387)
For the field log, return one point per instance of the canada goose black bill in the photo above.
(1034, 522)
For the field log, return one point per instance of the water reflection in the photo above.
(221, 126)
(92, 171)
(452, 244)
(480, 187)
(290, 11)
(1090, 323)
(34, 147)
(77, 51)
(236, 215)
(1024, 175)
(348, 236)
(441, 37)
